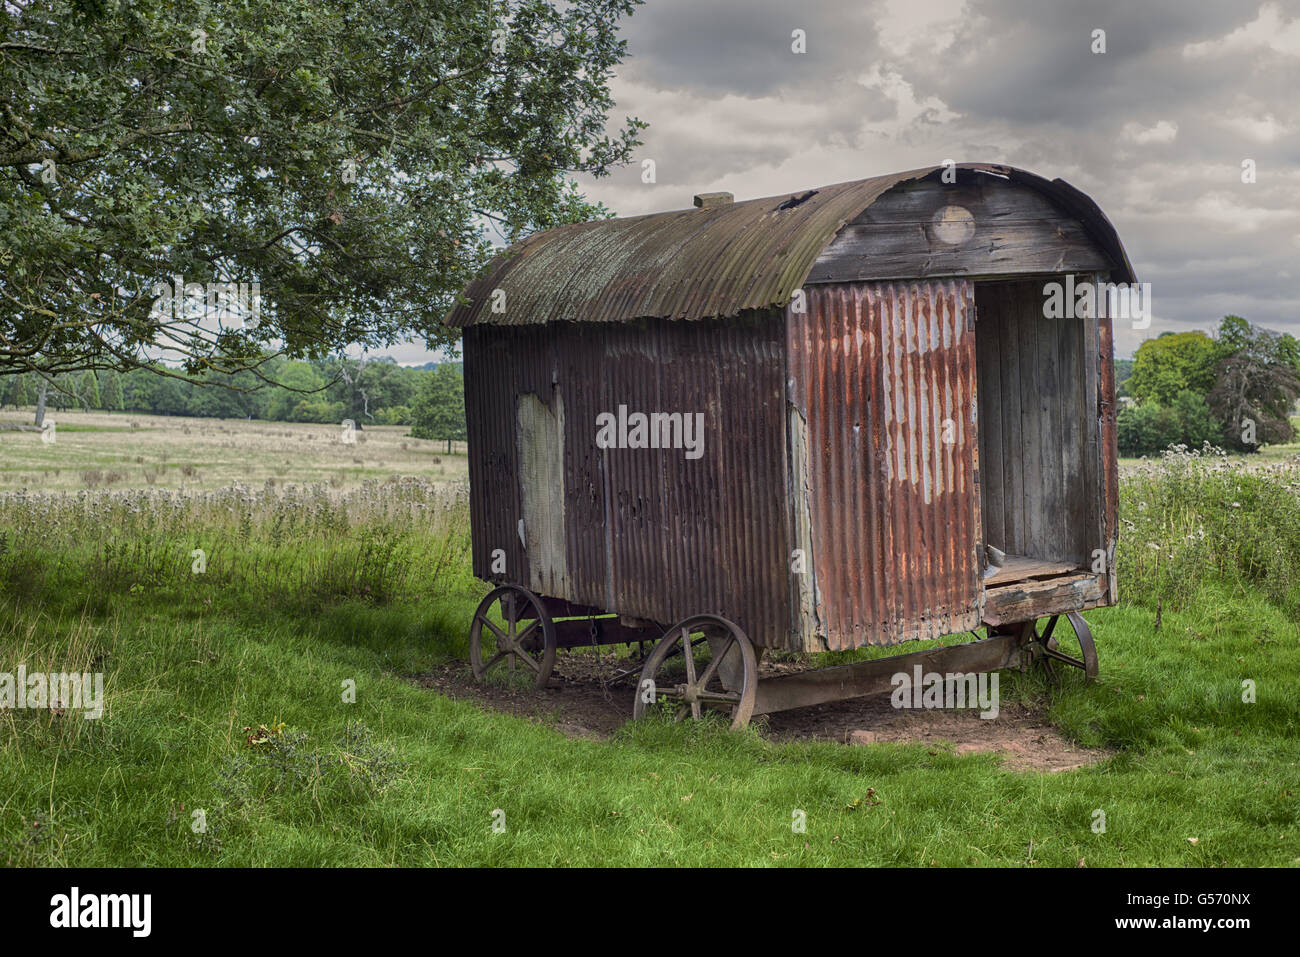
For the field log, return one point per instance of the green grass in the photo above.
(225, 694)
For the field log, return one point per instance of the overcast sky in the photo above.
(1155, 129)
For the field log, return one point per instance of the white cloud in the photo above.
(1267, 31)
(908, 26)
(907, 108)
(1261, 130)
(1164, 131)
(1226, 212)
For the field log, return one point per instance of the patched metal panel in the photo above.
(805, 603)
(540, 435)
(883, 377)
(497, 374)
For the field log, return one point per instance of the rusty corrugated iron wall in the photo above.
(883, 451)
(647, 533)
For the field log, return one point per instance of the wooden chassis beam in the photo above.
(873, 677)
(576, 633)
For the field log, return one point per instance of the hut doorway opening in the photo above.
(1040, 469)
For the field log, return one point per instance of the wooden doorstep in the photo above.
(1019, 568)
(1024, 601)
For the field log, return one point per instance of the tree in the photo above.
(42, 393)
(305, 382)
(14, 391)
(1150, 428)
(111, 390)
(1196, 423)
(317, 410)
(65, 391)
(167, 396)
(439, 410)
(1165, 366)
(368, 384)
(1256, 384)
(88, 390)
(1234, 335)
(394, 415)
(352, 160)
(137, 390)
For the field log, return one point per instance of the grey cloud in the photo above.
(729, 104)
(744, 47)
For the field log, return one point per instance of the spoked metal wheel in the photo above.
(1073, 646)
(512, 629)
(702, 662)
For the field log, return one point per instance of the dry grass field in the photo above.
(126, 450)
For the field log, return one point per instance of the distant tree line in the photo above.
(1236, 389)
(369, 392)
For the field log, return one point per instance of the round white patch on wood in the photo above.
(954, 225)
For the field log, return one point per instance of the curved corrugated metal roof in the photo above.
(705, 263)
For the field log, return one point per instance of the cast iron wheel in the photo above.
(1048, 647)
(727, 680)
(532, 644)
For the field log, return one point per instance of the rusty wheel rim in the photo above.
(1049, 647)
(524, 640)
(700, 685)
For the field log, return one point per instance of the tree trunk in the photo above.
(40, 402)
(449, 446)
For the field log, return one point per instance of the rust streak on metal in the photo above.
(892, 512)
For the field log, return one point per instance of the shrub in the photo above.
(1147, 429)
(1196, 422)
(1196, 518)
(1151, 428)
(394, 415)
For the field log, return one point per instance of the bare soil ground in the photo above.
(580, 706)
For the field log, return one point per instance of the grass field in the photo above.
(227, 689)
(127, 450)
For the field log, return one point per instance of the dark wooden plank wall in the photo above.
(1039, 429)
(1015, 230)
